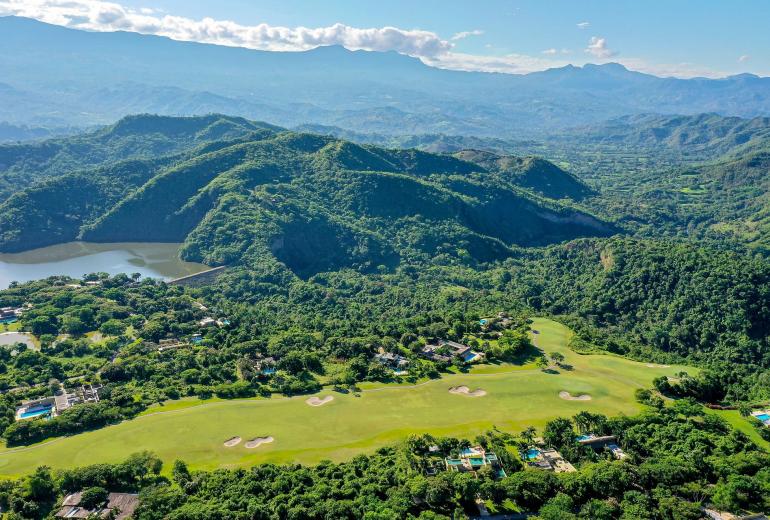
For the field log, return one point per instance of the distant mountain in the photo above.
(702, 135)
(15, 133)
(53, 74)
(310, 202)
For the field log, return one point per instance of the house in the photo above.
(52, 406)
(393, 361)
(170, 343)
(445, 350)
(34, 408)
(616, 451)
(265, 366)
(10, 314)
(118, 506)
(721, 515)
(207, 322)
(548, 459)
(598, 443)
(473, 459)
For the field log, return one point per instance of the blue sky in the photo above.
(672, 37)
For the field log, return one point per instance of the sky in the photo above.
(683, 38)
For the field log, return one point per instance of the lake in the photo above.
(78, 258)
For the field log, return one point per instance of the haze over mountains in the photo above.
(53, 76)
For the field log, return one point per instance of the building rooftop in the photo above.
(122, 505)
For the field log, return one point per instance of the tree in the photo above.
(557, 357)
(93, 497)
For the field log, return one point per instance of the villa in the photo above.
(445, 350)
(722, 515)
(10, 314)
(265, 366)
(52, 406)
(473, 459)
(207, 322)
(550, 460)
(44, 407)
(395, 362)
(117, 506)
(171, 343)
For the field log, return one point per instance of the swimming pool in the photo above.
(763, 417)
(532, 454)
(35, 412)
(584, 437)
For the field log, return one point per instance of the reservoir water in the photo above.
(157, 260)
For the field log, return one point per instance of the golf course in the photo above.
(306, 430)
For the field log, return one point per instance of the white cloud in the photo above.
(744, 58)
(97, 15)
(464, 34)
(583, 25)
(598, 47)
(509, 63)
(100, 15)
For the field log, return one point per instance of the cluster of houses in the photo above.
(52, 406)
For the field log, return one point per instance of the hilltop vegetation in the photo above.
(141, 137)
(315, 203)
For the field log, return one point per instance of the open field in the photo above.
(196, 431)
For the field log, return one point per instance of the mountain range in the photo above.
(58, 76)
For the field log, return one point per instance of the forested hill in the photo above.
(314, 203)
(700, 136)
(133, 137)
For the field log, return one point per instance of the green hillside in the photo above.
(313, 203)
(133, 137)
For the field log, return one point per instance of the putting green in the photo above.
(516, 398)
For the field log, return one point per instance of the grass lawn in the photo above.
(195, 431)
(742, 424)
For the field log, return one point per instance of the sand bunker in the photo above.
(569, 397)
(258, 441)
(232, 441)
(315, 401)
(464, 390)
(653, 365)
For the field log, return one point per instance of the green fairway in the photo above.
(195, 431)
